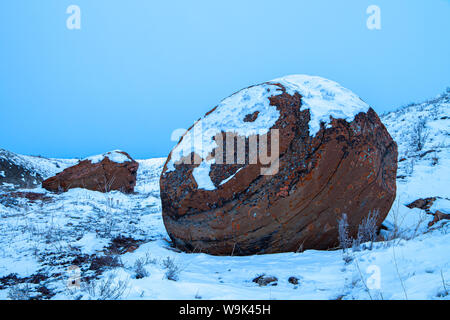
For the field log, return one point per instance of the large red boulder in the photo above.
(114, 170)
(329, 155)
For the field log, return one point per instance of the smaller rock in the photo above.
(293, 280)
(424, 204)
(438, 216)
(251, 117)
(264, 280)
(114, 170)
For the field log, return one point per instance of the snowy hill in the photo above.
(422, 133)
(89, 245)
(27, 171)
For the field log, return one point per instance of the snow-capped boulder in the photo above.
(114, 170)
(223, 193)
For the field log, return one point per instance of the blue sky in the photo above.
(139, 69)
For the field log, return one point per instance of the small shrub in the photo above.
(409, 167)
(139, 269)
(444, 292)
(108, 289)
(367, 230)
(20, 292)
(344, 239)
(173, 270)
(419, 134)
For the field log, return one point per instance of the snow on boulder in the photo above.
(273, 168)
(114, 170)
(116, 156)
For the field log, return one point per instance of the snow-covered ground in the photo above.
(89, 245)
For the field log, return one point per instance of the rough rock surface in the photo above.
(264, 280)
(343, 164)
(16, 173)
(438, 216)
(112, 171)
(424, 204)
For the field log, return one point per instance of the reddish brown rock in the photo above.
(346, 167)
(438, 216)
(424, 204)
(112, 171)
